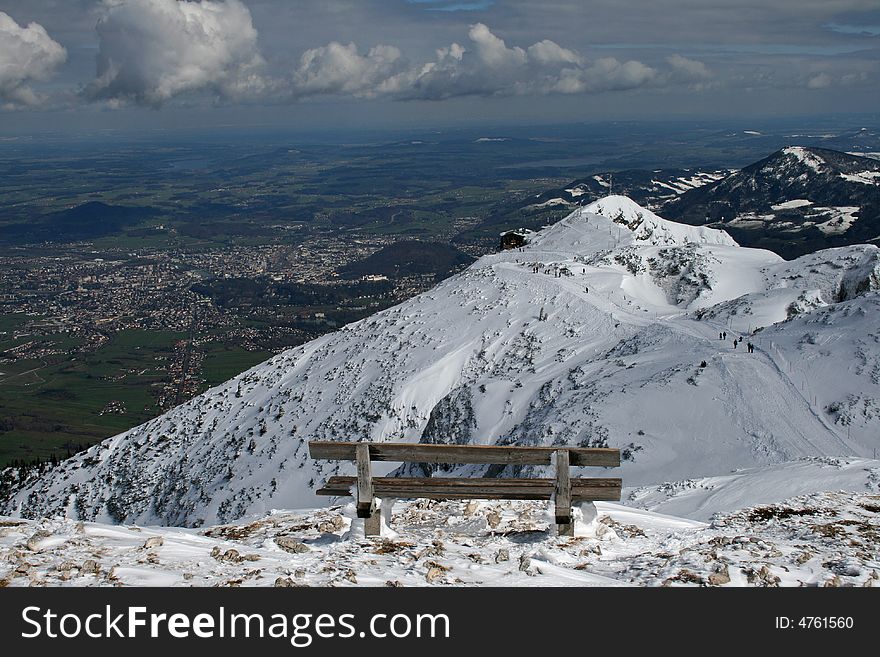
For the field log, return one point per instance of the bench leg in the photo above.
(373, 524)
(565, 530)
(562, 495)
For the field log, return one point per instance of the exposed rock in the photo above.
(721, 576)
(232, 555)
(331, 526)
(33, 543)
(761, 577)
(291, 545)
(90, 567)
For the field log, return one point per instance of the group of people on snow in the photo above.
(736, 341)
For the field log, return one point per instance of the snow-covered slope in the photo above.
(705, 497)
(604, 330)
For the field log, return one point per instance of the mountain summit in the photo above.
(605, 329)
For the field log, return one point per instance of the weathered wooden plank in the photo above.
(464, 454)
(562, 491)
(451, 488)
(365, 504)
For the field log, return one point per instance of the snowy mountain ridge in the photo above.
(603, 330)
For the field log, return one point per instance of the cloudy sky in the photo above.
(80, 64)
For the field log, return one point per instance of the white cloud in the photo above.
(153, 50)
(851, 79)
(492, 51)
(819, 81)
(825, 79)
(26, 54)
(606, 74)
(689, 70)
(341, 69)
(549, 52)
(487, 66)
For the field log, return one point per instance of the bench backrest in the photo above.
(464, 454)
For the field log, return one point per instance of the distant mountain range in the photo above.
(649, 188)
(796, 201)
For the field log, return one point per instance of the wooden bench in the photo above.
(562, 488)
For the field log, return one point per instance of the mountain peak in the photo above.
(615, 221)
(612, 204)
(805, 156)
(621, 210)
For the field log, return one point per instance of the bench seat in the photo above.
(453, 488)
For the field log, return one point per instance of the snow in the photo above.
(806, 157)
(634, 305)
(700, 179)
(704, 497)
(685, 183)
(789, 205)
(751, 220)
(864, 177)
(644, 227)
(549, 203)
(839, 218)
(816, 538)
(669, 186)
